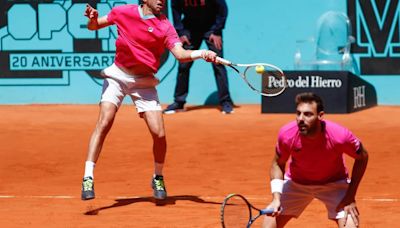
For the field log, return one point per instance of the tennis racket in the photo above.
(236, 211)
(266, 79)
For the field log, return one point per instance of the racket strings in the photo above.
(273, 82)
(269, 81)
(236, 213)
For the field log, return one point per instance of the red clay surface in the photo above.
(43, 149)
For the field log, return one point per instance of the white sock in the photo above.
(158, 167)
(89, 167)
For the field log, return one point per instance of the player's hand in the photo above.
(216, 40)
(351, 210)
(91, 12)
(185, 40)
(209, 56)
(276, 205)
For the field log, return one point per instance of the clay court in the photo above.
(43, 149)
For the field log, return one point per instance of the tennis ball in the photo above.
(260, 69)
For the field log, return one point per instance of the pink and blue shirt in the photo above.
(141, 39)
(318, 160)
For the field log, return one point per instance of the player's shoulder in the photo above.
(336, 130)
(288, 130)
(289, 126)
(333, 126)
(163, 19)
(164, 23)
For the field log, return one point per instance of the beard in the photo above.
(306, 130)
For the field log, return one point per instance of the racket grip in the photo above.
(267, 211)
(223, 61)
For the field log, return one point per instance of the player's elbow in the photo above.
(181, 54)
(182, 58)
(364, 152)
(363, 156)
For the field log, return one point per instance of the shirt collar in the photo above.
(144, 16)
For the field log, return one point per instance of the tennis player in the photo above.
(316, 168)
(143, 34)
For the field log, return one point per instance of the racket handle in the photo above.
(267, 211)
(223, 61)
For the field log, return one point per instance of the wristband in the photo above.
(197, 54)
(276, 185)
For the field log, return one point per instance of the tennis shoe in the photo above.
(227, 108)
(87, 188)
(174, 108)
(158, 185)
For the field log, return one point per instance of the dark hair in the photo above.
(309, 97)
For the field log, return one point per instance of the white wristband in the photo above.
(197, 54)
(276, 185)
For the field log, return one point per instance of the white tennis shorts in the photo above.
(295, 197)
(141, 89)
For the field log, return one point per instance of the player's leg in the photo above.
(149, 108)
(222, 81)
(294, 199)
(346, 223)
(112, 97)
(331, 195)
(103, 126)
(276, 222)
(104, 123)
(155, 123)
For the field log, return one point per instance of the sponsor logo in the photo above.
(311, 81)
(359, 97)
(46, 39)
(375, 26)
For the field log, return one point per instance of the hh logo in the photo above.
(359, 97)
(375, 25)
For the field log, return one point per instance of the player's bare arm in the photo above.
(95, 22)
(276, 175)
(277, 167)
(185, 40)
(349, 202)
(183, 55)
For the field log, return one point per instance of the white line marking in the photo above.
(7, 197)
(37, 197)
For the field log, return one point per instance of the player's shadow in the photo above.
(171, 200)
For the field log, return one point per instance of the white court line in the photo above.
(182, 196)
(37, 197)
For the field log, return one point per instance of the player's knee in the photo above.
(104, 125)
(159, 138)
(348, 223)
(158, 134)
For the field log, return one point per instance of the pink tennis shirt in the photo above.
(141, 39)
(319, 160)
